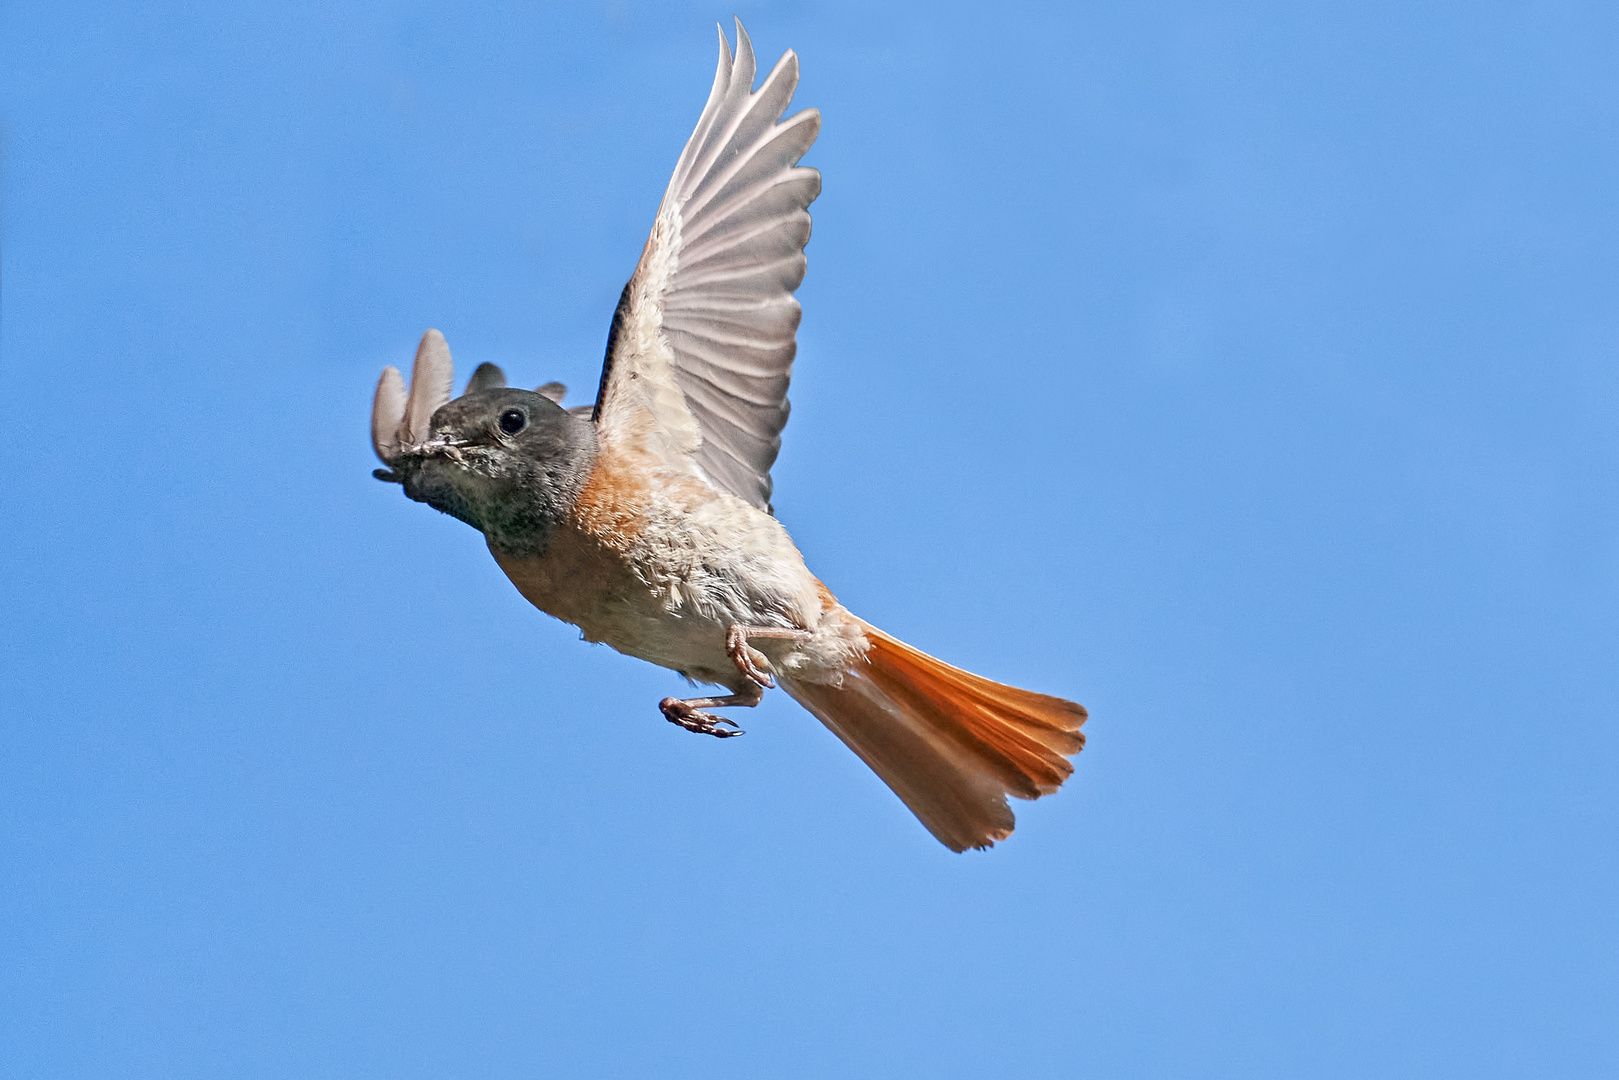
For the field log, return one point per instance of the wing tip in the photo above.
(488, 376)
(745, 67)
(725, 50)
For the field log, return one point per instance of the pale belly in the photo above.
(672, 596)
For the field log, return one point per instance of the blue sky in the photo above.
(1247, 372)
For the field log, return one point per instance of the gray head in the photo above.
(508, 462)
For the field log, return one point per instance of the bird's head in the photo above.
(508, 462)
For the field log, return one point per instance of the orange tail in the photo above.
(952, 745)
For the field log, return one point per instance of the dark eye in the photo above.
(512, 421)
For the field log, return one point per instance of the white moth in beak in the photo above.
(400, 420)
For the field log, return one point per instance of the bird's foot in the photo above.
(748, 660)
(686, 714)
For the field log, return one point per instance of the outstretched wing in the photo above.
(701, 346)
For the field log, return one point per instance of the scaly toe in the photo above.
(677, 712)
(751, 662)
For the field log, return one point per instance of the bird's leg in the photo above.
(750, 661)
(689, 714)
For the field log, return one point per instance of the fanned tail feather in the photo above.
(951, 745)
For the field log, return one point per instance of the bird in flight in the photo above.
(645, 519)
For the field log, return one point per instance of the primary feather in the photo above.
(704, 335)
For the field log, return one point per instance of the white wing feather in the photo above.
(703, 339)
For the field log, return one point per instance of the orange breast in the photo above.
(616, 499)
